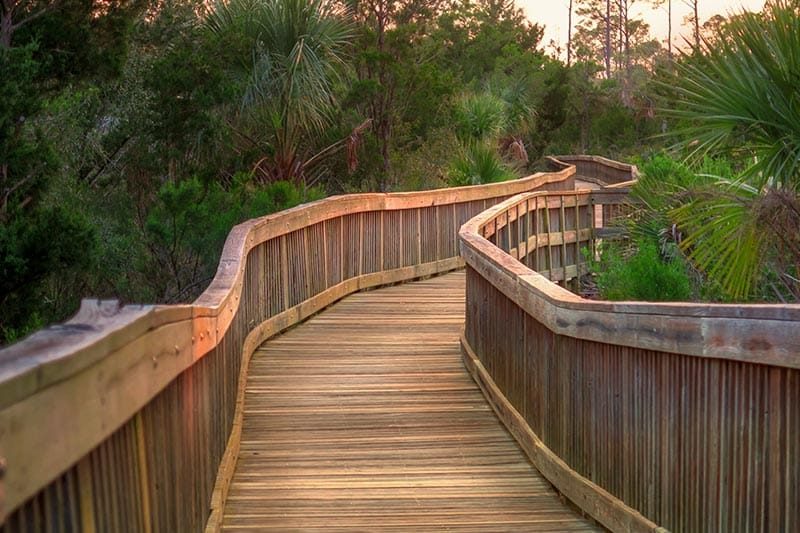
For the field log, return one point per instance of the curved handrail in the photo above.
(650, 406)
(145, 401)
(600, 170)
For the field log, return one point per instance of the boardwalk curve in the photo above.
(365, 418)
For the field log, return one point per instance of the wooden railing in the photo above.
(129, 418)
(599, 170)
(679, 415)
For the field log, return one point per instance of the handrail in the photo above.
(599, 170)
(129, 418)
(679, 414)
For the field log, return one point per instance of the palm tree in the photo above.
(299, 58)
(741, 101)
(489, 126)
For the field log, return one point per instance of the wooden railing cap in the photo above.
(763, 333)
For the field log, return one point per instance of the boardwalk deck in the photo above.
(363, 418)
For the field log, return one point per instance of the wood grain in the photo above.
(364, 418)
(678, 414)
(107, 364)
(759, 333)
(591, 498)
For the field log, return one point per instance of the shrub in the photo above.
(643, 275)
(479, 117)
(479, 164)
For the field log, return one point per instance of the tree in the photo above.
(389, 31)
(694, 19)
(47, 50)
(595, 32)
(299, 57)
(660, 4)
(569, 34)
(739, 101)
(479, 36)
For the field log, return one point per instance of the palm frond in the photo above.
(740, 96)
(299, 55)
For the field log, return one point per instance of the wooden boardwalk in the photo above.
(363, 418)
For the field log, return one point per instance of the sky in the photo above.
(553, 15)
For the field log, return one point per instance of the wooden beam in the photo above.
(590, 497)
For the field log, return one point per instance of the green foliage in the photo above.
(34, 246)
(143, 131)
(479, 164)
(642, 273)
(737, 237)
(24, 155)
(483, 125)
(739, 100)
(299, 57)
(187, 226)
(486, 38)
(723, 239)
(740, 96)
(479, 117)
(76, 39)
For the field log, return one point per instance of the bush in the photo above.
(187, 225)
(479, 164)
(644, 275)
(479, 117)
(35, 246)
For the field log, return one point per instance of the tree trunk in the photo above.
(669, 29)
(382, 119)
(627, 98)
(569, 35)
(696, 25)
(585, 117)
(608, 39)
(6, 26)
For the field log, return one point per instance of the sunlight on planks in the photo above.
(363, 418)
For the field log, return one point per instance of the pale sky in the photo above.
(553, 15)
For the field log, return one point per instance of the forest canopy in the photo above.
(135, 133)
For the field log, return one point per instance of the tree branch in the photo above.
(33, 16)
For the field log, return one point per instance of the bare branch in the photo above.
(33, 16)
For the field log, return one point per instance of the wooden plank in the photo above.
(562, 227)
(549, 232)
(85, 496)
(141, 462)
(364, 418)
(593, 499)
(609, 233)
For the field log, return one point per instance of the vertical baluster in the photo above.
(546, 220)
(382, 265)
(325, 283)
(401, 263)
(577, 240)
(360, 243)
(144, 480)
(562, 224)
(285, 272)
(526, 233)
(521, 251)
(419, 235)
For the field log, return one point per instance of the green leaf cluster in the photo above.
(641, 273)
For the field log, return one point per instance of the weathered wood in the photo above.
(755, 333)
(682, 413)
(121, 382)
(364, 418)
(599, 170)
(591, 498)
(179, 366)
